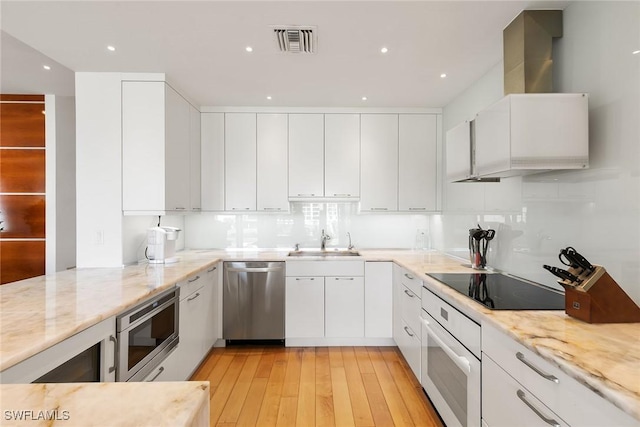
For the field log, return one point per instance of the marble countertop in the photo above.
(40, 312)
(168, 404)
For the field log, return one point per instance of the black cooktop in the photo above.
(500, 292)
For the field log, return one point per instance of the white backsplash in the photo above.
(304, 225)
(597, 211)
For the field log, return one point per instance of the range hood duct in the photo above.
(527, 47)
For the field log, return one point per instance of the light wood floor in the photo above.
(321, 386)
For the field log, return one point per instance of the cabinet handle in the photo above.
(212, 269)
(161, 370)
(537, 370)
(536, 411)
(417, 209)
(408, 293)
(379, 209)
(344, 278)
(406, 329)
(196, 209)
(310, 278)
(240, 209)
(114, 340)
(194, 279)
(180, 208)
(341, 195)
(408, 276)
(306, 195)
(271, 209)
(194, 297)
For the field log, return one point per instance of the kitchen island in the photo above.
(37, 313)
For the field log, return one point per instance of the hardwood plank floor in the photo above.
(309, 387)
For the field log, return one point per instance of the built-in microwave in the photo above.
(88, 356)
(146, 335)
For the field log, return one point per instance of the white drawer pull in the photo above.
(344, 278)
(212, 269)
(549, 421)
(192, 298)
(549, 377)
(408, 276)
(406, 329)
(194, 279)
(408, 293)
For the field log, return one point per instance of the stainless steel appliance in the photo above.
(450, 371)
(146, 335)
(502, 292)
(253, 301)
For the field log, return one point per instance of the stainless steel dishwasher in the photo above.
(253, 301)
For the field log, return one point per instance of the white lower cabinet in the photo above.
(378, 296)
(171, 369)
(304, 305)
(521, 388)
(211, 290)
(406, 316)
(344, 307)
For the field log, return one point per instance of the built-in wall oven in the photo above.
(450, 373)
(146, 335)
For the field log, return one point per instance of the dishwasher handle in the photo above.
(254, 270)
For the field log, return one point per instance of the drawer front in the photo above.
(192, 284)
(505, 402)
(408, 342)
(460, 326)
(410, 281)
(324, 268)
(410, 308)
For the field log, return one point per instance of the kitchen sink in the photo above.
(325, 253)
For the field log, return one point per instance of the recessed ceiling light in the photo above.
(46, 67)
(248, 49)
(635, 52)
(364, 98)
(384, 50)
(269, 97)
(443, 75)
(111, 48)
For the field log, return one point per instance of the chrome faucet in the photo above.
(323, 240)
(350, 247)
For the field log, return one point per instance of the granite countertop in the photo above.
(171, 404)
(40, 312)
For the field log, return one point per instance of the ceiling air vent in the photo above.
(295, 39)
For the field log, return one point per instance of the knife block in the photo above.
(599, 299)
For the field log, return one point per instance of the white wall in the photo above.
(597, 210)
(98, 170)
(61, 183)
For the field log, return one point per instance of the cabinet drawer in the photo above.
(460, 326)
(192, 284)
(408, 342)
(325, 268)
(410, 281)
(505, 402)
(575, 403)
(410, 308)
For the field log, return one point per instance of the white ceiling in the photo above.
(200, 45)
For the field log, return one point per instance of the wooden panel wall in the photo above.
(22, 187)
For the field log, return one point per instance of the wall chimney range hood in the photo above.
(531, 129)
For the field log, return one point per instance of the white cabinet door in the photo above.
(378, 297)
(458, 152)
(212, 161)
(272, 190)
(240, 161)
(417, 173)
(304, 305)
(143, 146)
(195, 155)
(177, 144)
(306, 155)
(493, 138)
(344, 307)
(210, 289)
(342, 155)
(379, 162)
(192, 315)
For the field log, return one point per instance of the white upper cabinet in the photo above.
(196, 154)
(342, 155)
(155, 148)
(458, 152)
(417, 171)
(525, 133)
(272, 195)
(306, 155)
(240, 161)
(212, 161)
(379, 162)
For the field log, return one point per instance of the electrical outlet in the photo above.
(100, 237)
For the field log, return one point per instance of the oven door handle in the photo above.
(461, 362)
